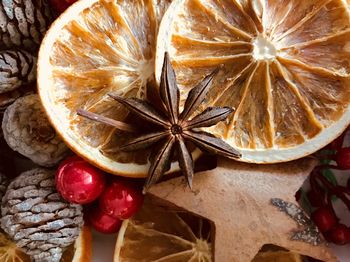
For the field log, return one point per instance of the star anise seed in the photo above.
(175, 129)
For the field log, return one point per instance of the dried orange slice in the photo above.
(80, 251)
(98, 47)
(158, 235)
(285, 68)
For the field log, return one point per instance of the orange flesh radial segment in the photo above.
(95, 48)
(284, 67)
(154, 234)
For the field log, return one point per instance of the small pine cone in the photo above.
(16, 68)
(8, 98)
(4, 181)
(37, 218)
(27, 130)
(23, 22)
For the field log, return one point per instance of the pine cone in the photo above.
(23, 22)
(8, 98)
(16, 68)
(27, 131)
(37, 218)
(3, 184)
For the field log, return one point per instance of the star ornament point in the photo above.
(236, 198)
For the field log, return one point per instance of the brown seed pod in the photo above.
(27, 130)
(23, 22)
(37, 218)
(17, 67)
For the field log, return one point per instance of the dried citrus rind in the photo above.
(284, 67)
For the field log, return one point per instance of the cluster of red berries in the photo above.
(323, 191)
(110, 199)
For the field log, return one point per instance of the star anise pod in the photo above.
(175, 129)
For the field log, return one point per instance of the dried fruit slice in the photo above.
(155, 234)
(95, 48)
(284, 67)
(80, 251)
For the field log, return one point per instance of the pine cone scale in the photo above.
(37, 218)
(57, 224)
(54, 197)
(68, 212)
(32, 192)
(47, 183)
(20, 194)
(25, 232)
(25, 205)
(48, 208)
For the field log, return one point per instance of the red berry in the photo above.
(102, 222)
(339, 234)
(121, 199)
(337, 143)
(298, 195)
(78, 181)
(315, 198)
(61, 5)
(343, 158)
(324, 218)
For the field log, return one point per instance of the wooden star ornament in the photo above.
(236, 198)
